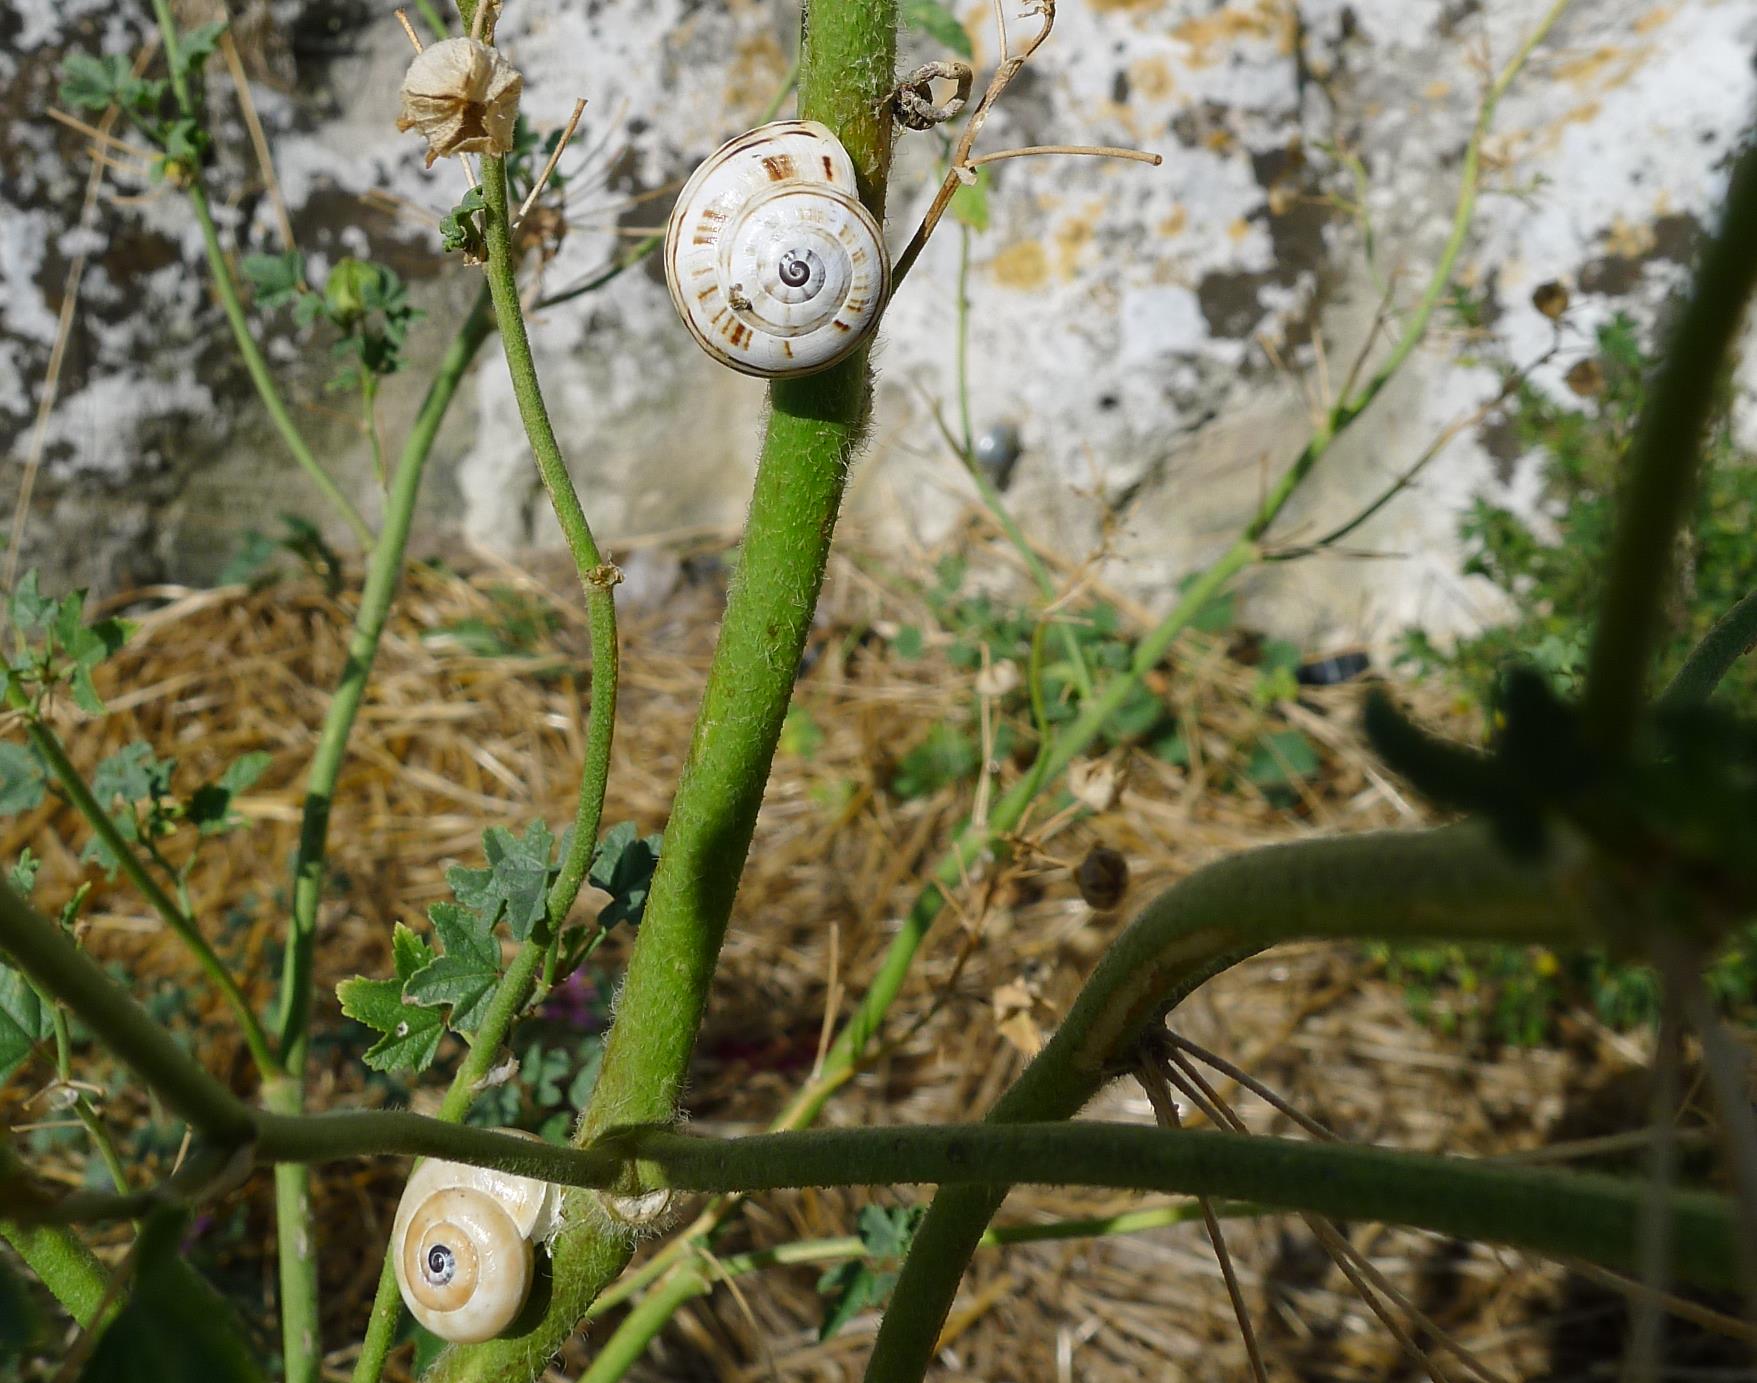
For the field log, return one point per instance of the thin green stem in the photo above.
(54, 756)
(49, 957)
(850, 1044)
(102, 1143)
(597, 579)
(1661, 469)
(815, 425)
(226, 288)
(1457, 883)
(298, 1263)
(623, 1350)
(986, 488)
(1733, 636)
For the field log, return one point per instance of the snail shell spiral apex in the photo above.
(462, 1246)
(773, 263)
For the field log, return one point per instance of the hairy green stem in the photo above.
(1733, 636)
(1559, 1213)
(1456, 883)
(55, 1254)
(520, 980)
(226, 288)
(1662, 465)
(847, 55)
(298, 1261)
(49, 748)
(49, 957)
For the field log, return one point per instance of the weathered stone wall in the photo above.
(1147, 330)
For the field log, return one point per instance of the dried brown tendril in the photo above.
(912, 101)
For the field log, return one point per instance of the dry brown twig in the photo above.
(963, 167)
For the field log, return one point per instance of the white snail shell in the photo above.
(773, 263)
(461, 1246)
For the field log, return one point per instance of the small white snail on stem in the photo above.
(773, 263)
(461, 1246)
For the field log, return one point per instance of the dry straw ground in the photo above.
(451, 741)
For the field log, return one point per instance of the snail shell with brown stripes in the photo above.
(774, 265)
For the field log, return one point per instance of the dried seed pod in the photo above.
(773, 263)
(464, 97)
(461, 1246)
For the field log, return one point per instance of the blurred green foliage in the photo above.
(1550, 569)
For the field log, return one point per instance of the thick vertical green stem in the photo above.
(298, 1258)
(226, 289)
(847, 57)
(1660, 472)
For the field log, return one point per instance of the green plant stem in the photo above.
(298, 1263)
(624, 1349)
(815, 425)
(55, 1254)
(49, 748)
(986, 489)
(101, 1141)
(1397, 886)
(971, 840)
(49, 957)
(1558, 1213)
(1660, 473)
(226, 288)
(1733, 636)
(1457, 883)
(597, 578)
(521, 977)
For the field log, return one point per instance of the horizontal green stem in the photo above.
(49, 748)
(1558, 1213)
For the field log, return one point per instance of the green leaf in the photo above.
(969, 204)
(852, 1287)
(92, 83)
(907, 642)
(411, 1033)
(274, 279)
(24, 1021)
(23, 875)
(21, 779)
(623, 866)
(210, 805)
(517, 878)
(133, 774)
(199, 44)
(166, 1331)
(888, 1232)
(467, 975)
(31, 610)
(461, 231)
(939, 23)
(1282, 758)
